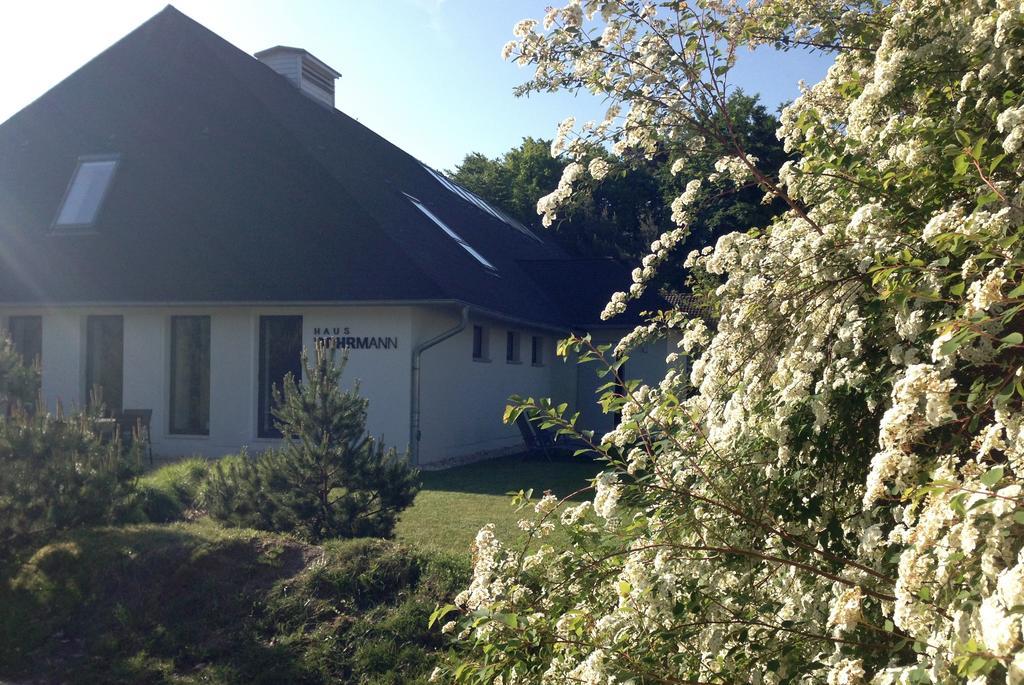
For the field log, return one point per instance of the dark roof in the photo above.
(582, 287)
(234, 187)
(688, 303)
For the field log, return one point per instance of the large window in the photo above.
(27, 336)
(85, 193)
(190, 375)
(280, 354)
(104, 361)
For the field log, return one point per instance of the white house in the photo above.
(179, 219)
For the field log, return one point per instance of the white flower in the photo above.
(846, 611)
(598, 168)
(606, 494)
(847, 672)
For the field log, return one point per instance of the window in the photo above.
(512, 347)
(104, 361)
(280, 354)
(85, 193)
(190, 375)
(537, 350)
(479, 202)
(479, 344)
(452, 234)
(27, 336)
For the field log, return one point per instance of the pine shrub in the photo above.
(330, 479)
(55, 471)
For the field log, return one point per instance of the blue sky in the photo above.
(426, 74)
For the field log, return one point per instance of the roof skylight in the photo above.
(85, 193)
(479, 202)
(452, 234)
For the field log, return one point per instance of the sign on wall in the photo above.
(341, 338)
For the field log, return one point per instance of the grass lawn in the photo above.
(455, 503)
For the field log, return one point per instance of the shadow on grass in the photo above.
(564, 475)
(142, 603)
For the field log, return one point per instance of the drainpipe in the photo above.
(414, 423)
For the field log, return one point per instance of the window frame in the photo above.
(172, 384)
(450, 232)
(513, 348)
(90, 367)
(483, 341)
(74, 228)
(537, 350)
(264, 393)
(37, 320)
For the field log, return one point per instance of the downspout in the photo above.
(414, 422)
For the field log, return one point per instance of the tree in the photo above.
(829, 488)
(329, 480)
(620, 216)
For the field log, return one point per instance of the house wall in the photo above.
(462, 399)
(234, 343)
(646, 364)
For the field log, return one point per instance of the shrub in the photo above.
(55, 472)
(198, 603)
(19, 382)
(831, 488)
(330, 479)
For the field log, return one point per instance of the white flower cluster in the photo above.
(548, 205)
(832, 483)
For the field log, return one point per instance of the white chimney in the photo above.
(311, 76)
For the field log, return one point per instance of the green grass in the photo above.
(198, 603)
(168, 492)
(455, 503)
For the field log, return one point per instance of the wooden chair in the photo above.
(134, 424)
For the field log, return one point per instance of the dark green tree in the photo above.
(622, 215)
(330, 479)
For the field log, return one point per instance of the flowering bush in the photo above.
(826, 487)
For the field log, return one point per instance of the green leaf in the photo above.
(995, 162)
(963, 138)
(993, 476)
(1013, 339)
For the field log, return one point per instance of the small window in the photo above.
(512, 348)
(452, 234)
(85, 193)
(27, 337)
(479, 344)
(190, 375)
(537, 351)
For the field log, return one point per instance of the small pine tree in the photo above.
(55, 471)
(329, 479)
(19, 382)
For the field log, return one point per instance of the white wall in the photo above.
(646, 364)
(234, 342)
(462, 399)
